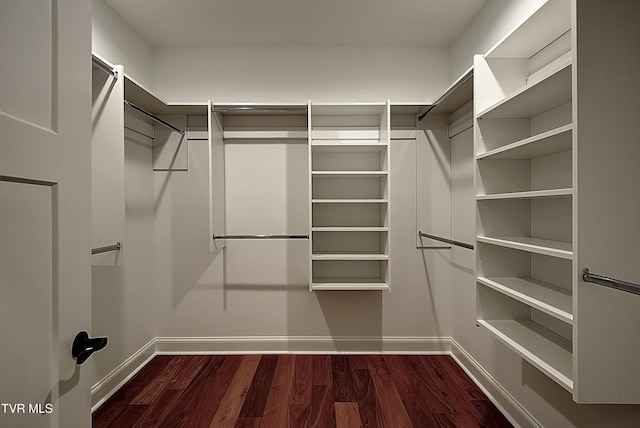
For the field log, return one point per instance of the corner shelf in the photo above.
(546, 247)
(546, 143)
(524, 153)
(531, 100)
(533, 194)
(549, 352)
(552, 300)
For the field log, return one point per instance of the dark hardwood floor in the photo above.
(276, 391)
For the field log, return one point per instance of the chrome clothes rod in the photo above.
(260, 236)
(447, 94)
(448, 241)
(104, 66)
(260, 109)
(106, 249)
(629, 287)
(154, 117)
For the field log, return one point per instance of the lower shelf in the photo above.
(548, 298)
(547, 351)
(345, 286)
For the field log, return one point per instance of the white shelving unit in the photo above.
(524, 145)
(349, 206)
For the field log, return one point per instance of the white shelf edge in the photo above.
(350, 257)
(527, 142)
(264, 134)
(349, 229)
(533, 245)
(532, 194)
(529, 328)
(540, 80)
(349, 286)
(546, 307)
(349, 201)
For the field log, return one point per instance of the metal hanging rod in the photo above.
(452, 90)
(260, 109)
(629, 287)
(106, 249)
(99, 63)
(448, 241)
(154, 117)
(260, 236)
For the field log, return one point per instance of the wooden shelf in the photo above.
(546, 350)
(534, 99)
(532, 194)
(554, 141)
(546, 247)
(548, 298)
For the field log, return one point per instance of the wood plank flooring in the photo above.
(275, 391)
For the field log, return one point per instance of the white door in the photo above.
(45, 276)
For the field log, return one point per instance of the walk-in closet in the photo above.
(336, 213)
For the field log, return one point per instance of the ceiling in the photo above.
(173, 23)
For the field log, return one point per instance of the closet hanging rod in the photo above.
(106, 249)
(260, 236)
(260, 109)
(629, 287)
(154, 117)
(452, 90)
(104, 66)
(448, 241)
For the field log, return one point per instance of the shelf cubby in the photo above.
(349, 207)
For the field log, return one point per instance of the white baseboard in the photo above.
(504, 401)
(105, 388)
(301, 345)
(516, 414)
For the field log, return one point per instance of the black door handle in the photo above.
(83, 346)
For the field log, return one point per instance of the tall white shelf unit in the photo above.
(349, 203)
(524, 190)
(542, 176)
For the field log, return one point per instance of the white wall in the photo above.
(295, 74)
(260, 288)
(124, 295)
(117, 42)
(491, 23)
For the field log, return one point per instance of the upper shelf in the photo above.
(142, 97)
(545, 25)
(359, 109)
(546, 143)
(459, 93)
(531, 100)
